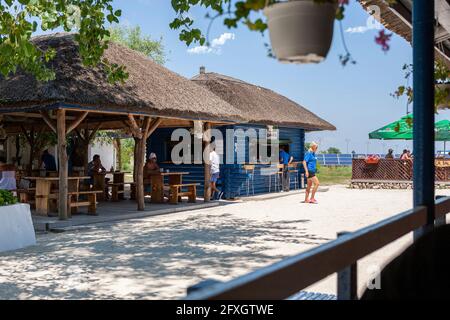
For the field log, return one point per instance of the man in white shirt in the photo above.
(215, 172)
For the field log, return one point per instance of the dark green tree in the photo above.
(133, 38)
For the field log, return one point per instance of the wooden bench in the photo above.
(118, 190)
(91, 203)
(176, 192)
(27, 196)
(133, 189)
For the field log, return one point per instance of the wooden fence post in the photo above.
(347, 283)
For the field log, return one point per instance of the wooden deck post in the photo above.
(141, 134)
(63, 169)
(140, 154)
(207, 140)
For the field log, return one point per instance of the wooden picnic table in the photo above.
(44, 193)
(157, 181)
(100, 182)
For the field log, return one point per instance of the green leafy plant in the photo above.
(133, 38)
(441, 75)
(7, 198)
(19, 19)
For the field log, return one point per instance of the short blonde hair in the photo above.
(313, 144)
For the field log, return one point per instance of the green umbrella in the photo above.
(403, 130)
(442, 129)
(397, 130)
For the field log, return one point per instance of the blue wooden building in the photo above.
(262, 108)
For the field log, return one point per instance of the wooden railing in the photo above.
(395, 170)
(291, 275)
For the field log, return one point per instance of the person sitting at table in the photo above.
(390, 154)
(96, 167)
(8, 177)
(151, 167)
(48, 160)
(405, 155)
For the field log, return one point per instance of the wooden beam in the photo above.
(155, 124)
(135, 129)
(94, 131)
(77, 122)
(146, 127)
(63, 168)
(49, 121)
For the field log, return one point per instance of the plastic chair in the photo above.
(293, 170)
(250, 178)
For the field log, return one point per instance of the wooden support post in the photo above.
(63, 169)
(140, 135)
(140, 153)
(207, 140)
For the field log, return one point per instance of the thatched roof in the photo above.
(261, 105)
(151, 88)
(397, 18)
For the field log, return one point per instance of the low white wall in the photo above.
(16, 227)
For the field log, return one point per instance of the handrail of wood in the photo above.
(289, 276)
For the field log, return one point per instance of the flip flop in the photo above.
(313, 201)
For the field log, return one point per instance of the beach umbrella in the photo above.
(442, 129)
(403, 130)
(397, 130)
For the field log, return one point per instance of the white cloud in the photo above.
(200, 50)
(220, 41)
(358, 29)
(216, 45)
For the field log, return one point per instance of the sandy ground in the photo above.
(159, 257)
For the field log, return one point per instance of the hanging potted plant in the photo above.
(301, 31)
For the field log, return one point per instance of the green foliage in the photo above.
(133, 38)
(441, 75)
(333, 150)
(334, 175)
(19, 19)
(127, 152)
(7, 198)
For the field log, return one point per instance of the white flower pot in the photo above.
(301, 31)
(446, 104)
(16, 227)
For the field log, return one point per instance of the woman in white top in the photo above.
(214, 161)
(8, 176)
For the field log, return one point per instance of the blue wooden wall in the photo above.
(233, 178)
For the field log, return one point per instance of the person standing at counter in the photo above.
(285, 160)
(310, 166)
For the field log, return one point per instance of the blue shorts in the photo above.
(215, 177)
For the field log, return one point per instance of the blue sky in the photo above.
(354, 98)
